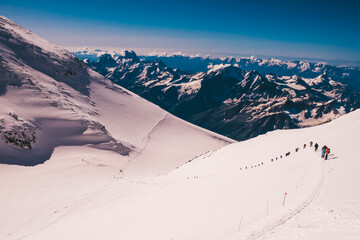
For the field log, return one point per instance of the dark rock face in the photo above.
(230, 101)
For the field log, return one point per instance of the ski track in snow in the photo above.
(145, 140)
(315, 170)
(256, 234)
(271, 226)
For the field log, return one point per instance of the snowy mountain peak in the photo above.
(252, 74)
(217, 68)
(227, 70)
(160, 63)
(16, 34)
(321, 80)
(131, 55)
(253, 79)
(107, 60)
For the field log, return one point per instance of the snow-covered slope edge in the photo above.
(236, 192)
(92, 132)
(50, 98)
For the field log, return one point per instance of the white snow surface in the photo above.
(82, 195)
(108, 131)
(216, 67)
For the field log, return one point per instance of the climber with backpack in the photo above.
(327, 152)
(316, 146)
(323, 150)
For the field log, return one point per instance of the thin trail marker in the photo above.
(284, 198)
(240, 221)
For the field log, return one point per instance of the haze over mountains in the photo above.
(239, 98)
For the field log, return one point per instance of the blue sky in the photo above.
(328, 30)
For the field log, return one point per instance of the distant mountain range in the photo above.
(239, 98)
(344, 74)
(348, 75)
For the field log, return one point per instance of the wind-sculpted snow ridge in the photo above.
(229, 100)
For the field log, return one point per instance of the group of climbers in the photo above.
(325, 151)
(324, 154)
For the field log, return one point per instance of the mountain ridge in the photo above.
(231, 101)
(194, 64)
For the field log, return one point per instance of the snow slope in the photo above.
(50, 98)
(236, 192)
(66, 132)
